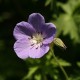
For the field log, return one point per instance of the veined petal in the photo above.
(38, 52)
(49, 33)
(36, 20)
(25, 49)
(23, 29)
(20, 47)
(48, 40)
(48, 30)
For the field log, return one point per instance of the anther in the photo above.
(32, 44)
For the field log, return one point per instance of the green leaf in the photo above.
(66, 24)
(47, 2)
(32, 70)
(70, 27)
(38, 77)
(78, 64)
(70, 6)
(61, 61)
(66, 8)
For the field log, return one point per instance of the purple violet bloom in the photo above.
(33, 37)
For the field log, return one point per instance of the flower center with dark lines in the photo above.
(37, 38)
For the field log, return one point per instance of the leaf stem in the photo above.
(64, 72)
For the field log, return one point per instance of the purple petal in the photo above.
(38, 52)
(24, 49)
(49, 33)
(20, 47)
(23, 29)
(48, 40)
(36, 20)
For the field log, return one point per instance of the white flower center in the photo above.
(37, 38)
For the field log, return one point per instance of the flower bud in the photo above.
(59, 42)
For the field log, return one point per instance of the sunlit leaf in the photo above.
(66, 8)
(66, 24)
(61, 61)
(38, 77)
(70, 6)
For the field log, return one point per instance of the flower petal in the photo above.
(38, 52)
(49, 33)
(36, 20)
(24, 49)
(48, 40)
(23, 29)
(20, 47)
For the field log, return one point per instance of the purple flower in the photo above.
(33, 37)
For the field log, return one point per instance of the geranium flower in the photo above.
(33, 37)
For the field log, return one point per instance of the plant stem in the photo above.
(64, 72)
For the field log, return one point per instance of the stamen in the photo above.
(37, 48)
(41, 32)
(32, 44)
(29, 38)
(40, 44)
(44, 38)
(38, 32)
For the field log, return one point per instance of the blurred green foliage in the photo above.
(65, 14)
